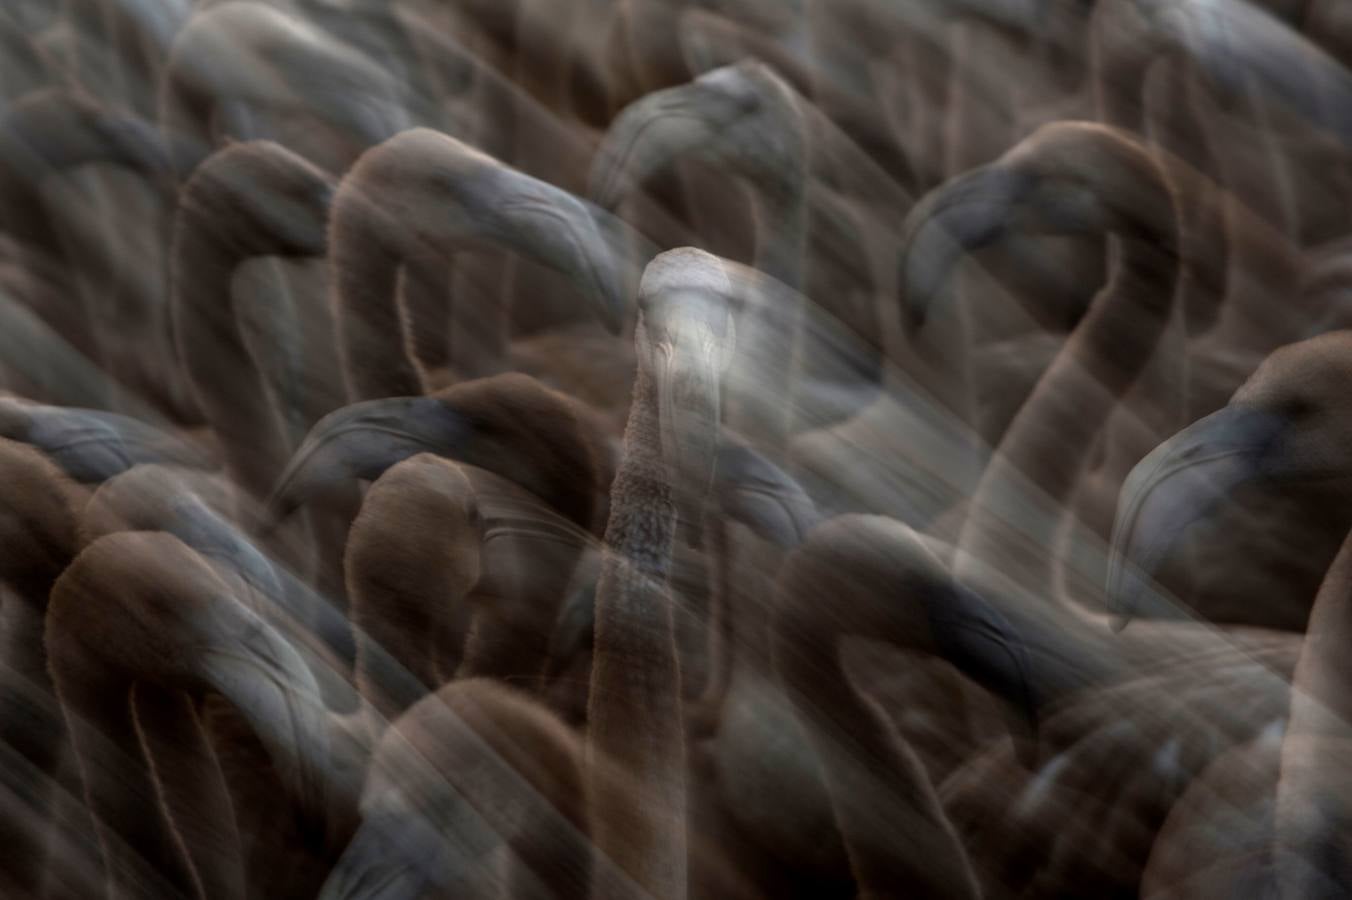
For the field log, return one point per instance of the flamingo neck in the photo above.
(1006, 545)
(225, 376)
(634, 714)
(138, 843)
(1324, 670)
(878, 786)
(191, 789)
(1312, 807)
(1018, 501)
(368, 277)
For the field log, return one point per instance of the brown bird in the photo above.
(252, 200)
(259, 351)
(1265, 817)
(1311, 805)
(536, 473)
(139, 630)
(413, 200)
(1174, 677)
(885, 584)
(413, 556)
(57, 147)
(247, 71)
(684, 338)
(471, 767)
(746, 120)
(1271, 456)
(1237, 92)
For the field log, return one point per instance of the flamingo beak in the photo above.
(361, 441)
(1180, 483)
(646, 137)
(969, 212)
(564, 231)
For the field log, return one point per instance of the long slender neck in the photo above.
(407, 608)
(1314, 801)
(57, 133)
(514, 616)
(477, 318)
(226, 378)
(1005, 548)
(366, 282)
(191, 789)
(1017, 504)
(1262, 236)
(879, 788)
(1262, 263)
(53, 133)
(138, 844)
(635, 699)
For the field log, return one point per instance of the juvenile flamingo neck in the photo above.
(112, 734)
(1313, 802)
(212, 347)
(366, 281)
(635, 701)
(1018, 503)
(1049, 439)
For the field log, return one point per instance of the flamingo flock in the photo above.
(675, 449)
